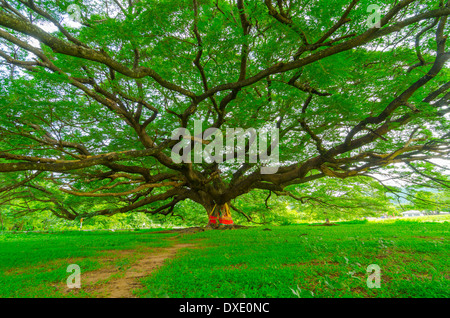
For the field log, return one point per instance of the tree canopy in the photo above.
(90, 98)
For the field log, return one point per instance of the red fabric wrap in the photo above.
(227, 220)
(213, 219)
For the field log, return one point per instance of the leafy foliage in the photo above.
(88, 109)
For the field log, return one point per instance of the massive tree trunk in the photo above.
(220, 216)
(219, 213)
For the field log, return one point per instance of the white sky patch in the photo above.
(47, 27)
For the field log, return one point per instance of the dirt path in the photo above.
(114, 282)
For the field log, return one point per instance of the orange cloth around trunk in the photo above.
(225, 215)
(213, 219)
(213, 215)
(220, 215)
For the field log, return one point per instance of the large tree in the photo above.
(88, 107)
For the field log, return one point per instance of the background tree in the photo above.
(88, 108)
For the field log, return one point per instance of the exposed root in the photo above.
(197, 229)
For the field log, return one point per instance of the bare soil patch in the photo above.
(115, 282)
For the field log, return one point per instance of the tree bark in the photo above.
(219, 215)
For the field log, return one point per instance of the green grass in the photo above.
(287, 261)
(32, 265)
(307, 261)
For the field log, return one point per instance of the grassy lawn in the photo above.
(32, 265)
(288, 261)
(314, 261)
